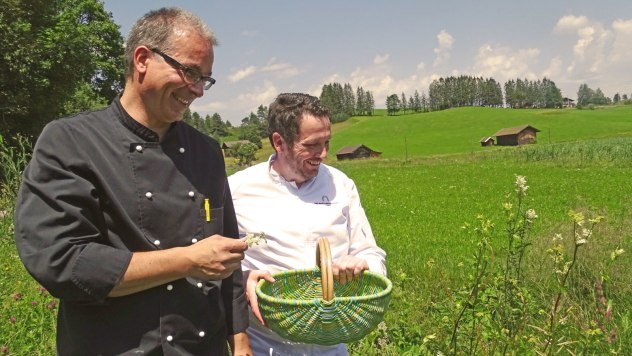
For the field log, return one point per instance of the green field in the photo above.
(460, 130)
(417, 207)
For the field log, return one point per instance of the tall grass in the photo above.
(417, 208)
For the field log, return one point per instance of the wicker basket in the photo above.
(301, 306)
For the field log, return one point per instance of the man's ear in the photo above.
(277, 142)
(141, 56)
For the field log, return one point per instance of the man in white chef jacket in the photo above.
(296, 199)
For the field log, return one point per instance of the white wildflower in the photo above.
(558, 237)
(253, 239)
(580, 242)
(521, 185)
(530, 215)
(616, 253)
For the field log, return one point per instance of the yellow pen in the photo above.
(207, 208)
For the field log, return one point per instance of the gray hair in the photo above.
(155, 29)
(287, 111)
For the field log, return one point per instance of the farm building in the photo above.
(227, 145)
(487, 141)
(568, 102)
(513, 136)
(357, 151)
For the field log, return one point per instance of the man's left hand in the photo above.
(348, 267)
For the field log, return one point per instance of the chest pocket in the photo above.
(212, 223)
(168, 204)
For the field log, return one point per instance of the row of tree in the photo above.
(344, 103)
(529, 94)
(450, 92)
(587, 96)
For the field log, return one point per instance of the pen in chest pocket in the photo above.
(207, 209)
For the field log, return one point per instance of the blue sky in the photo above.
(387, 47)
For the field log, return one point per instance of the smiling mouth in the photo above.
(181, 100)
(313, 163)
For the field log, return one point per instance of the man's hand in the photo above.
(216, 257)
(348, 267)
(252, 279)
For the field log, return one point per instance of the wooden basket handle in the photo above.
(323, 260)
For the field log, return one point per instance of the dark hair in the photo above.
(155, 30)
(286, 113)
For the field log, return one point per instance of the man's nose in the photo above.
(198, 88)
(324, 151)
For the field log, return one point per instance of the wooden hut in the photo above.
(227, 145)
(514, 136)
(487, 141)
(357, 151)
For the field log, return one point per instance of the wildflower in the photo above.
(429, 337)
(616, 253)
(530, 215)
(557, 237)
(253, 239)
(507, 206)
(33, 302)
(17, 296)
(51, 305)
(12, 320)
(4, 350)
(580, 242)
(521, 185)
(577, 217)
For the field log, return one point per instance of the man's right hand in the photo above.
(252, 278)
(215, 257)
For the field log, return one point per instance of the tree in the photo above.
(392, 104)
(245, 153)
(403, 104)
(58, 57)
(584, 95)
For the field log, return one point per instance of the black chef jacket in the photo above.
(101, 186)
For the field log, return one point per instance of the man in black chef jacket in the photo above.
(125, 214)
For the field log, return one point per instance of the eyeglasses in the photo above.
(191, 76)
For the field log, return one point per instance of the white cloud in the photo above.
(261, 95)
(443, 50)
(421, 66)
(381, 59)
(570, 23)
(284, 70)
(622, 33)
(241, 74)
(554, 69)
(503, 63)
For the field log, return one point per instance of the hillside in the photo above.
(459, 130)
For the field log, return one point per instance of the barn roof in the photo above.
(229, 144)
(514, 130)
(350, 149)
(487, 138)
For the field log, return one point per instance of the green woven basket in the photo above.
(302, 307)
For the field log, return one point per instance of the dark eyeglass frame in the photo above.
(190, 75)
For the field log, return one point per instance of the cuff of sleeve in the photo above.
(376, 266)
(98, 268)
(239, 322)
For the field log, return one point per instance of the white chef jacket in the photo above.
(293, 219)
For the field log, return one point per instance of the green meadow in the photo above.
(432, 179)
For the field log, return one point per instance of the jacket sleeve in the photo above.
(233, 287)
(58, 224)
(362, 240)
